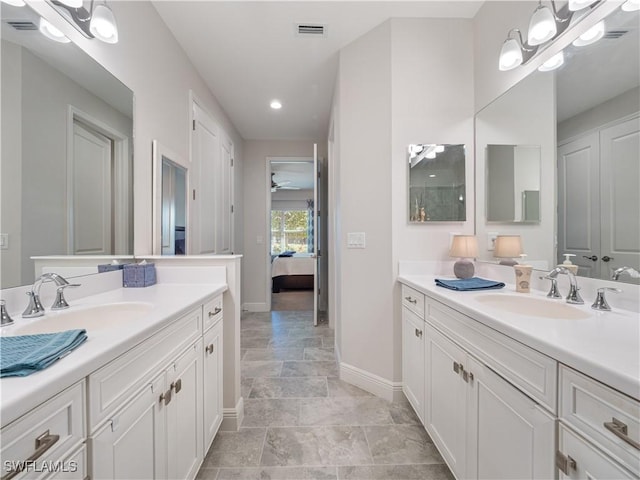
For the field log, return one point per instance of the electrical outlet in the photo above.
(491, 240)
(356, 240)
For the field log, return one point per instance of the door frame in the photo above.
(122, 175)
(267, 243)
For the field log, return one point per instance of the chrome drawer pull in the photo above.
(176, 386)
(418, 333)
(619, 429)
(411, 300)
(209, 348)
(456, 367)
(43, 443)
(166, 397)
(216, 311)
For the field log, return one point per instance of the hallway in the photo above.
(302, 422)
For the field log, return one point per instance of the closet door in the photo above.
(579, 203)
(620, 196)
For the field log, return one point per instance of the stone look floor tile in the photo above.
(207, 474)
(288, 387)
(279, 473)
(254, 354)
(339, 388)
(395, 472)
(261, 369)
(315, 446)
(309, 369)
(268, 412)
(236, 449)
(245, 387)
(400, 444)
(312, 353)
(258, 342)
(286, 342)
(345, 411)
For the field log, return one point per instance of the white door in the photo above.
(620, 196)
(206, 158)
(315, 232)
(413, 360)
(92, 192)
(579, 203)
(224, 234)
(509, 436)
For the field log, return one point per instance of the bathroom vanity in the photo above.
(140, 399)
(519, 386)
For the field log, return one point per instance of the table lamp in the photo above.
(464, 247)
(507, 248)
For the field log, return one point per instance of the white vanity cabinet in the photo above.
(212, 371)
(413, 348)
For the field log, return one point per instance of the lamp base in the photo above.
(463, 268)
(510, 262)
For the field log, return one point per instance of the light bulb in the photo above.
(14, 3)
(542, 26)
(631, 6)
(575, 5)
(554, 62)
(103, 24)
(439, 148)
(51, 32)
(275, 104)
(592, 35)
(510, 55)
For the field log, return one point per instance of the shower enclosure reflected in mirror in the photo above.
(170, 202)
(513, 183)
(436, 183)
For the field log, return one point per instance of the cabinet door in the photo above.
(212, 385)
(184, 414)
(509, 435)
(413, 360)
(590, 463)
(132, 443)
(445, 398)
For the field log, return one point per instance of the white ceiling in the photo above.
(297, 175)
(248, 53)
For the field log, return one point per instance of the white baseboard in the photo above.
(372, 383)
(255, 307)
(232, 417)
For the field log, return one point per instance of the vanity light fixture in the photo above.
(464, 247)
(14, 3)
(97, 22)
(631, 6)
(275, 104)
(554, 62)
(575, 5)
(72, 3)
(515, 51)
(546, 23)
(103, 24)
(51, 32)
(592, 35)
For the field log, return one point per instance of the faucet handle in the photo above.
(601, 302)
(553, 291)
(60, 302)
(34, 308)
(5, 319)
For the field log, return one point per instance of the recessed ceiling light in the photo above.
(275, 104)
(433, 175)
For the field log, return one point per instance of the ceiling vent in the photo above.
(311, 29)
(613, 34)
(22, 25)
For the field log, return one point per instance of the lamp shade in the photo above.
(542, 26)
(103, 24)
(15, 3)
(510, 55)
(464, 246)
(554, 62)
(51, 32)
(507, 246)
(592, 35)
(631, 6)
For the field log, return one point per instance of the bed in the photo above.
(292, 273)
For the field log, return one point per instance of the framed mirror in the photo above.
(67, 152)
(513, 183)
(170, 202)
(437, 190)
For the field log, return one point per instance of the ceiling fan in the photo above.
(275, 186)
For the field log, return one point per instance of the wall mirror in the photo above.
(170, 202)
(66, 155)
(584, 117)
(513, 183)
(436, 183)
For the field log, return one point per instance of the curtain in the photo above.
(310, 226)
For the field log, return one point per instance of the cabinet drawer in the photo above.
(413, 300)
(588, 406)
(212, 312)
(116, 382)
(74, 467)
(58, 424)
(531, 371)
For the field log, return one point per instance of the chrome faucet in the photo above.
(35, 308)
(573, 296)
(5, 319)
(632, 272)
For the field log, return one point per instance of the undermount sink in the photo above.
(533, 307)
(99, 317)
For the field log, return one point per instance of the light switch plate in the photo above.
(4, 241)
(356, 240)
(491, 240)
(259, 240)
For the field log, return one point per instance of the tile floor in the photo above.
(302, 422)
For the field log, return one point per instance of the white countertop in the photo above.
(604, 346)
(18, 395)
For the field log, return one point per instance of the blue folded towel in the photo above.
(26, 354)
(474, 283)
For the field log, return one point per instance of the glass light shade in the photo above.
(575, 5)
(542, 26)
(592, 35)
(507, 246)
(72, 3)
(51, 32)
(14, 3)
(464, 246)
(103, 24)
(510, 55)
(554, 62)
(631, 6)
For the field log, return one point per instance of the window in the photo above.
(289, 231)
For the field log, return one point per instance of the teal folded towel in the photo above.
(474, 283)
(26, 354)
